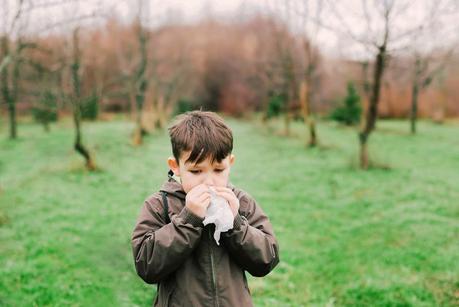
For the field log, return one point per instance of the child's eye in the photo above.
(219, 170)
(195, 171)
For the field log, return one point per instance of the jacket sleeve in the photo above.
(160, 248)
(251, 242)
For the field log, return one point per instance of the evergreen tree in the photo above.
(350, 110)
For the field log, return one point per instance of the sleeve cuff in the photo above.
(188, 217)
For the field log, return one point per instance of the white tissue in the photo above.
(220, 214)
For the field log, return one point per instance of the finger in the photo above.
(232, 202)
(227, 195)
(205, 202)
(200, 187)
(204, 199)
(223, 189)
(203, 196)
(197, 190)
(228, 192)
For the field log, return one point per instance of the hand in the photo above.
(232, 200)
(198, 199)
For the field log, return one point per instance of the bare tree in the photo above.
(14, 22)
(309, 83)
(381, 30)
(167, 74)
(71, 73)
(300, 74)
(281, 72)
(140, 80)
(286, 46)
(153, 74)
(76, 100)
(429, 54)
(9, 81)
(167, 90)
(425, 70)
(290, 83)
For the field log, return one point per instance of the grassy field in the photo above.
(384, 237)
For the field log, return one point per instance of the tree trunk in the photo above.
(264, 115)
(46, 126)
(7, 94)
(308, 119)
(287, 120)
(312, 133)
(140, 86)
(416, 87)
(78, 145)
(76, 100)
(162, 111)
(312, 59)
(372, 112)
(364, 159)
(414, 106)
(290, 89)
(15, 90)
(137, 138)
(12, 118)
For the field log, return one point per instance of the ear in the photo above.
(173, 165)
(232, 158)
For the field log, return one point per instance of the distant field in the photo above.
(384, 237)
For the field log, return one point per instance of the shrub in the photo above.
(275, 104)
(184, 105)
(90, 107)
(45, 111)
(349, 111)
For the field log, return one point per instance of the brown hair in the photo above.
(203, 133)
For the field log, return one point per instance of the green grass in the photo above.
(383, 237)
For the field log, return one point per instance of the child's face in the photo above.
(211, 174)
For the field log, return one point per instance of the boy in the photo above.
(170, 244)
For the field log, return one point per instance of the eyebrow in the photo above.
(200, 165)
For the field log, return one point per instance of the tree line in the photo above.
(262, 64)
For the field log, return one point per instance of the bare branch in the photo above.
(67, 21)
(345, 28)
(16, 16)
(34, 6)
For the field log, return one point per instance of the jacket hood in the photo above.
(173, 187)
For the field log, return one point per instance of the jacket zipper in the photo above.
(214, 282)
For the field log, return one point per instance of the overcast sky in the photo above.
(337, 41)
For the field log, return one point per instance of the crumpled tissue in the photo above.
(220, 214)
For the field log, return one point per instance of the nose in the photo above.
(209, 180)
